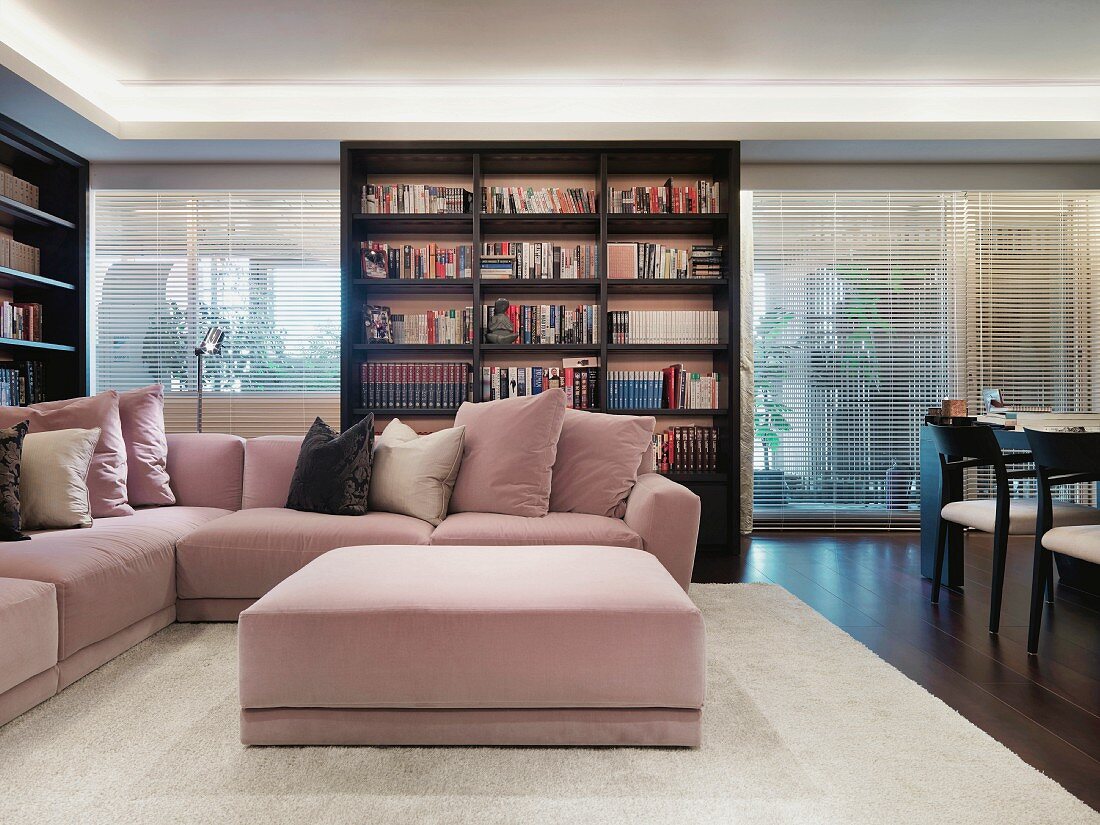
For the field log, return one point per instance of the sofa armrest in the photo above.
(206, 469)
(666, 515)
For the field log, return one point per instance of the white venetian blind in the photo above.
(854, 338)
(263, 265)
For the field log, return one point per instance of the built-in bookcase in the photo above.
(591, 166)
(56, 226)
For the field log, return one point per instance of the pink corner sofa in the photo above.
(71, 600)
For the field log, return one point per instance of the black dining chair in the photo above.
(1060, 458)
(965, 447)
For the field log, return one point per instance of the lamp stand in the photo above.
(198, 406)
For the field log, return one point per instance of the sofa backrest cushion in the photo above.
(107, 475)
(508, 455)
(269, 463)
(206, 469)
(142, 414)
(597, 462)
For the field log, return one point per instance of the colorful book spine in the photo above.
(414, 385)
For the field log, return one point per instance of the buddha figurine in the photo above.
(500, 326)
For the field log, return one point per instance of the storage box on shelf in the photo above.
(548, 226)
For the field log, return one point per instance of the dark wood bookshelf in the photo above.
(57, 227)
(591, 165)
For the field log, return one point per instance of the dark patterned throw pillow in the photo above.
(333, 470)
(11, 459)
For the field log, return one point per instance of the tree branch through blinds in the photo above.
(264, 266)
(871, 307)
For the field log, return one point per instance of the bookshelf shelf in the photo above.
(16, 343)
(502, 287)
(430, 286)
(16, 279)
(591, 165)
(21, 211)
(57, 227)
(669, 286)
(397, 349)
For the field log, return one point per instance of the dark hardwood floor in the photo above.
(1046, 709)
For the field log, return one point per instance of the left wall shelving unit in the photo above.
(58, 228)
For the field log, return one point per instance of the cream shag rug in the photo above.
(802, 725)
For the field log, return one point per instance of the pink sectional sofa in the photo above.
(78, 598)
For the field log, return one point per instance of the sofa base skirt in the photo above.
(28, 693)
(211, 610)
(87, 659)
(629, 727)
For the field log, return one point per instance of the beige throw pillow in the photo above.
(53, 487)
(414, 475)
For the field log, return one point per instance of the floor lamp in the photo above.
(210, 345)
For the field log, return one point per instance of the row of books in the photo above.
(534, 260)
(412, 386)
(686, 450)
(16, 255)
(22, 383)
(415, 199)
(628, 260)
(580, 383)
(663, 326)
(551, 323)
(701, 197)
(436, 326)
(17, 189)
(428, 262)
(552, 200)
(706, 261)
(672, 388)
(21, 321)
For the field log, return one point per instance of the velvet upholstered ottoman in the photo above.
(414, 645)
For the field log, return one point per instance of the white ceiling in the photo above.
(751, 69)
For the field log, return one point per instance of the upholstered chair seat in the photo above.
(981, 514)
(1082, 541)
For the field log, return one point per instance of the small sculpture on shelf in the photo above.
(376, 320)
(500, 325)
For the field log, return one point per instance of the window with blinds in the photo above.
(262, 265)
(870, 307)
(852, 311)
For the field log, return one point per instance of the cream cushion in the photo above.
(53, 486)
(981, 514)
(1081, 541)
(414, 475)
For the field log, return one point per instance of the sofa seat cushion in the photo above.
(108, 576)
(245, 554)
(28, 627)
(553, 528)
(474, 627)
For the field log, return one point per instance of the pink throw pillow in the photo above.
(508, 455)
(597, 462)
(107, 474)
(142, 414)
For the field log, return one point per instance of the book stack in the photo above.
(520, 200)
(21, 383)
(436, 326)
(646, 260)
(672, 388)
(686, 450)
(551, 323)
(663, 326)
(701, 197)
(21, 321)
(414, 386)
(408, 262)
(706, 262)
(534, 260)
(17, 189)
(579, 378)
(415, 199)
(16, 255)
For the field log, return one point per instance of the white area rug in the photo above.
(803, 725)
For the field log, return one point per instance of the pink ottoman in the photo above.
(413, 645)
